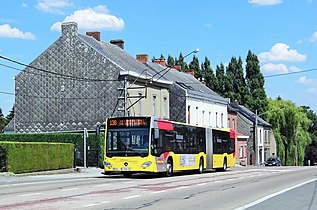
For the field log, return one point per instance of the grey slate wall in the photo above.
(55, 102)
(177, 103)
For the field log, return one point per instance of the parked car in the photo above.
(273, 161)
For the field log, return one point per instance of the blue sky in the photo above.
(283, 33)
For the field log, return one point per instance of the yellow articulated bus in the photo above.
(154, 145)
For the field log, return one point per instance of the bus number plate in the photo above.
(125, 169)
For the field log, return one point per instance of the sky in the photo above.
(282, 33)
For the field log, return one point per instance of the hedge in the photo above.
(23, 157)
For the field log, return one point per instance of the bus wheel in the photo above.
(201, 166)
(127, 174)
(169, 168)
(225, 166)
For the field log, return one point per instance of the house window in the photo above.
(222, 120)
(260, 136)
(216, 119)
(233, 124)
(203, 117)
(165, 106)
(140, 105)
(241, 148)
(154, 105)
(229, 123)
(196, 115)
(188, 114)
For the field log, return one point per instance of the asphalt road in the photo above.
(237, 188)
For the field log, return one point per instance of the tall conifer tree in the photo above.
(255, 81)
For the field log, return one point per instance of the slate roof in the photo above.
(121, 58)
(194, 87)
(249, 115)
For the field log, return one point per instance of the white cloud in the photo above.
(305, 81)
(314, 37)
(265, 2)
(97, 18)
(281, 52)
(7, 31)
(311, 84)
(274, 68)
(294, 69)
(53, 6)
(25, 5)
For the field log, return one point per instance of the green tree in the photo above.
(180, 61)
(194, 66)
(208, 74)
(290, 125)
(10, 116)
(313, 126)
(170, 61)
(235, 83)
(2, 121)
(257, 99)
(220, 77)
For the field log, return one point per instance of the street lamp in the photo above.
(170, 67)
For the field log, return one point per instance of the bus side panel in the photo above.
(186, 161)
(209, 149)
(231, 160)
(218, 160)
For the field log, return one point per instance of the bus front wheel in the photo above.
(201, 166)
(169, 168)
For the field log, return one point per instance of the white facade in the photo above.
(205, 113)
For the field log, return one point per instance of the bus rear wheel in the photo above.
(169, 168)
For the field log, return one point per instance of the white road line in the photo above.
(130, 197)
(31, 194)
(101, 185)
(69, 189)
(201, 184)
(182, 187)
(157, 192)
(272, 195)
(218, 181)
(95, 204)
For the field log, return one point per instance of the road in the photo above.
(238, 188)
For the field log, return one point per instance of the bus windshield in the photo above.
(127, 142)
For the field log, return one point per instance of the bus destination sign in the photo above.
(129, 122)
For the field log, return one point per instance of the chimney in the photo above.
(177, 67)
(143, 58)
(202, 81)
(118, 42)
(69, 28)
(192, 72)
(160, 61)
(94, 34)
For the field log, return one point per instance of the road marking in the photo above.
(182, 187)
(95, 204)
(272, 195)
(201, 184)
(69, 189)
(130, 182)
(130, 197)
(157, 192)
(31, 194)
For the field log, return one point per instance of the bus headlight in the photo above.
(107, 164)
(146, 164)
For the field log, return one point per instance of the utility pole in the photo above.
(256, 139)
